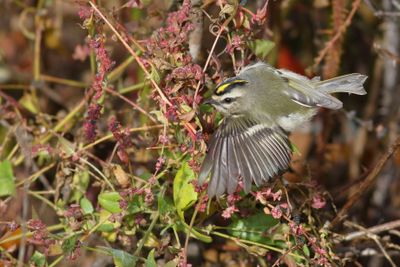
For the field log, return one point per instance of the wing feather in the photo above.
(208, 161)
(304, 91)
(258, 161)
(269, 165)
(244, 148)
(234, 166)
(223, 176)
(245, 154)
(278, 152)
(215, 171)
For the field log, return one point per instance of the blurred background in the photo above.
(101, 117)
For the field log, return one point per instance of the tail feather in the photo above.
(351, 83)
(317, 93)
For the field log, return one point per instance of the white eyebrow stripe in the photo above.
(232, 94)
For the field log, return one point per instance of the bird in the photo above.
(261, 105)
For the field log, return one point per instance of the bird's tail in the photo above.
(350, 83)
(317, 93)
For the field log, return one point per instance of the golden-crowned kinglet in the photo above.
(260, 106)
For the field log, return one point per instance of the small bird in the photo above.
(261, 106)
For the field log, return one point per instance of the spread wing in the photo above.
(247, 149)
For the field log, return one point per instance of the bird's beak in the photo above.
(210, 101)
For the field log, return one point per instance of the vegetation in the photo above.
(103, 132)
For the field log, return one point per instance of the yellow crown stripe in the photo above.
(223, 87)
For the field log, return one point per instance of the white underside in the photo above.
(295, 120)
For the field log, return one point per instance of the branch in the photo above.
(221, 29)
(374, 230)
(367, 183)
(339, 34)
(133, 53)
(375, 238)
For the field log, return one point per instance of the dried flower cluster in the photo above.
(40, 235)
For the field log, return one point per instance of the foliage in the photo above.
(103, 132)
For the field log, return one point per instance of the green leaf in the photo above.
(106, 226)
(136, 13)
(184, 194)
(186, 107)
(146, 175)
(261, 47)
(69, 244)
(227, 9)
(185, 197)
(38, 259)
(172, 263)
(135, 205)
(196, 234)
(205, 108)
(79, 185)
(295, 149)
(150, 261)
(86, 206)
(165, 205)
(121, 258)
(29, 102)
(67, 147)
(160, 116)
(110, 201)
(253, 228)
(246, 23)
(306, 250)
(7, 179)
(155, 75)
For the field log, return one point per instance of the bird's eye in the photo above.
(228, 100)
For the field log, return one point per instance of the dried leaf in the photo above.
(121, 176)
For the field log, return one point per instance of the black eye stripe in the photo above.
(228, 100)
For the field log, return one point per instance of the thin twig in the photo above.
(14, 86)
(375, 230)
(152, 224)
(52, 228)
(61, 125)
(72, 83)
(385, 253)
(221, 29)
(132, 88)
(133, 53)
(109, 136)
(192, 220)
(37, 174)
(114, 74)
(375, 238)
(386, 53)
(136, 106)
(339, 34)
(367, 183)
(244, 241)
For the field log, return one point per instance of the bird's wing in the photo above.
(305, 91)
(247, 149)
